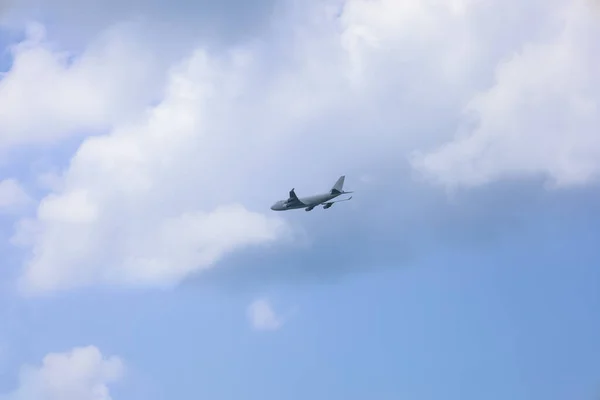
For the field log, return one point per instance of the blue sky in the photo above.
(138, 175)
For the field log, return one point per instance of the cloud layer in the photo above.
(166, 189)
(170, 191)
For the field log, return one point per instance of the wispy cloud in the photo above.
(12, 196)
(262, 317)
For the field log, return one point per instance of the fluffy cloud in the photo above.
(142, 205)
(262, 317)
(539, 118)
(12, 195)
(49, 94)
(160, 197)
(80, 374)
(172, 190)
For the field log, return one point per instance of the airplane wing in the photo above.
(293, 195)
(293, 200)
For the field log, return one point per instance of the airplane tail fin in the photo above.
(338, 188)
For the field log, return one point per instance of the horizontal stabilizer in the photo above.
(330, 203)
(337, 201)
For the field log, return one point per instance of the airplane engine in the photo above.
(327, 205)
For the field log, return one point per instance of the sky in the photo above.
(142, 144)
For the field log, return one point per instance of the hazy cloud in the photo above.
(12, 195)
(178, 23)
(262, 317)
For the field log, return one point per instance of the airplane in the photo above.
(310, 202)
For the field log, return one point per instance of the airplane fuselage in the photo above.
(304, 202)
(309, 202)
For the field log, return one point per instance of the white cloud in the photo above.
(160, 197)
(173, 189)
(539, 118)
(143, 205)
(12, 195)
(262, 317)
(49, 94)
(80, 374)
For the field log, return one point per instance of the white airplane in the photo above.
(310, 202)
